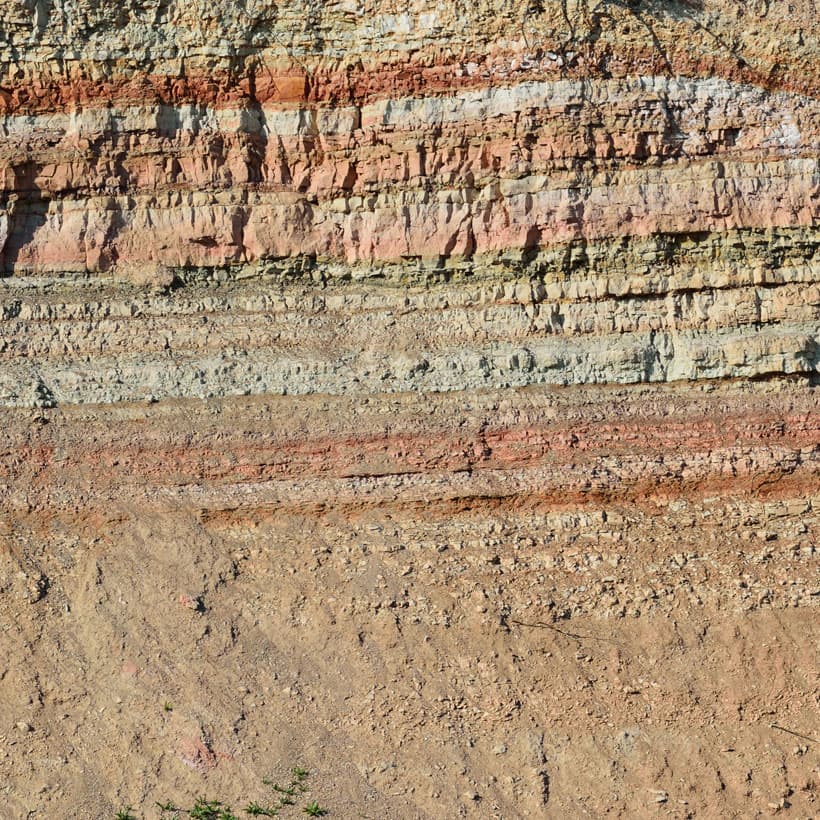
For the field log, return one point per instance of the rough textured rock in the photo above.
(423, 394)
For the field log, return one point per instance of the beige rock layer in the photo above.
(103, 344)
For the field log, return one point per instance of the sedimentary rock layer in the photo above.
(533, 448)
(514, 167)
(616, 193)
(96, 344)
(357, 134)
(422, 393)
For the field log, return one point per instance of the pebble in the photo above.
(192, 602)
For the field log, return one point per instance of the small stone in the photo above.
(500, 749)
(129, 669)
(194, 603)
(24, 727)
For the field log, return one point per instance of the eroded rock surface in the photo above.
(421, 394)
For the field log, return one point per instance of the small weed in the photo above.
(209, 810)
(255, 810)
(289, 791)
(216, 810)
(299, 776)
(286, 794)
(125, 814)
(168, 706)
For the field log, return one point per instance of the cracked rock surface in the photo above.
(421, 394)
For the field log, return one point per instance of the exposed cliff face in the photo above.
(633, 192)
(357, 134)
(440, 379)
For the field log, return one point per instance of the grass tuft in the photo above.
(204, 809)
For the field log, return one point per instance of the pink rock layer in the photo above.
(514, 167)
(534, 449)
(362, 139)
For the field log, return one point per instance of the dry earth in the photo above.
(477, 608)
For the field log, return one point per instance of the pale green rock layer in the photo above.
(695, 307)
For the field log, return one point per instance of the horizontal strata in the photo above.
(515, 167)
(577, 177)
(711, 307)
(138, 235)
(543, 448)
(53, 54)
(746, 106)
(547, 527)
(292, 222)
(349, 349)
(592, 201)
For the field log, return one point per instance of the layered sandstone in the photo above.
(621, 206)
(423, 394)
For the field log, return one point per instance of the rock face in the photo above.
(513, 195)
(455, 363)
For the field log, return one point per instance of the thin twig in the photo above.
(796, 734)
(574, 635)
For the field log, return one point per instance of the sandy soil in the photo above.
(630, 656)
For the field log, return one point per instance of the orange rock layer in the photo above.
(380, 142)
